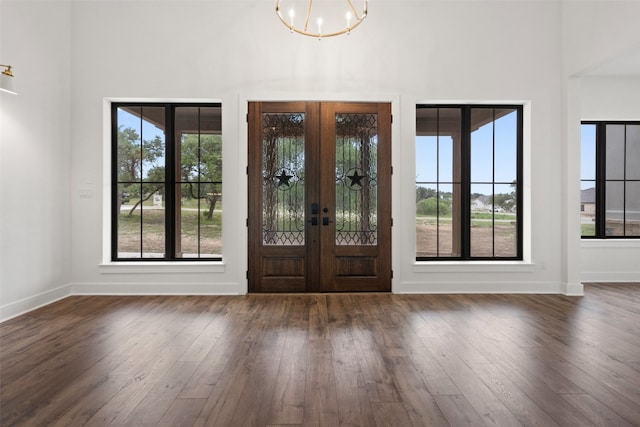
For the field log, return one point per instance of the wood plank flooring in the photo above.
(326, 360)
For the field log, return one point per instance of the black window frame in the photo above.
(465, 184)
(170, 181)
(601, 180)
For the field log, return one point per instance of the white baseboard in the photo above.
(31, 303)
(157, 289)
(479, 288)
(574, 289)
(610, 277)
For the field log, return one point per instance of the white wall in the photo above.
(35, 233)
(610, 98)
(601, 41)
(233, 51)
(406, 52)
(595, 33)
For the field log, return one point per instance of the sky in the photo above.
(482, 157)
(146, 130)
(149, 130)
(427, 152)
(587, 155)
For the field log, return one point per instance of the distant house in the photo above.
(588, 202)
(481, 203)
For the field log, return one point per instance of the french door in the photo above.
(319, 197)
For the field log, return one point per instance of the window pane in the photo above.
(438, 162)
(211, 221)
(588, 183)
(426, 144)
(198, 218)
(482, 145)
(446, 157)
(153, 144)
(588, 208)
(506, 145)
(426, 221)
(140, 157)
(210, 158)
(438, 133)
(588, 151)
(481, 231)
(449, 221)
(615, 152)
(200, 221)
(437, 223)
(633, 152)
(494, 221)
(505, 221)
(614, 209)
(153, 222)
(188, 216)
(632, 223)
(426, 159)
(129, 143)
(129, 227)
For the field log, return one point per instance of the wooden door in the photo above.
(319, 197)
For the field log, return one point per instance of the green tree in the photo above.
(138, 172)
(201, 167)
(432, 207)
(424, 193)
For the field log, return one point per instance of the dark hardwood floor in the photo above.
(328, 360)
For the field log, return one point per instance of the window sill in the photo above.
(610, 243)
(473, 266)
(161, 267)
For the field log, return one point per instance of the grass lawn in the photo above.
(587, 229)
(478, 219)
(194, 229)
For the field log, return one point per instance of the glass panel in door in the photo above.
(356, 179)
(283, 198)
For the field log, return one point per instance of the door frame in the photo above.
(344, 97)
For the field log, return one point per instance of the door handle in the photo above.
(314, 220)
(325, 219)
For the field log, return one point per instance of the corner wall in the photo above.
(597, 36)
(35, 264)
(610, 98)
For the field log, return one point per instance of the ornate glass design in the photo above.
(283, 179)
(356, 179)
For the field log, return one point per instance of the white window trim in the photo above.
(526, 264)
(107, 266)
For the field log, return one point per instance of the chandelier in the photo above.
(348, 15)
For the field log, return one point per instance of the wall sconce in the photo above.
(6, 80)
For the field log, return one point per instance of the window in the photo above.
(610, 179)
(166, 182)
(468, 182)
